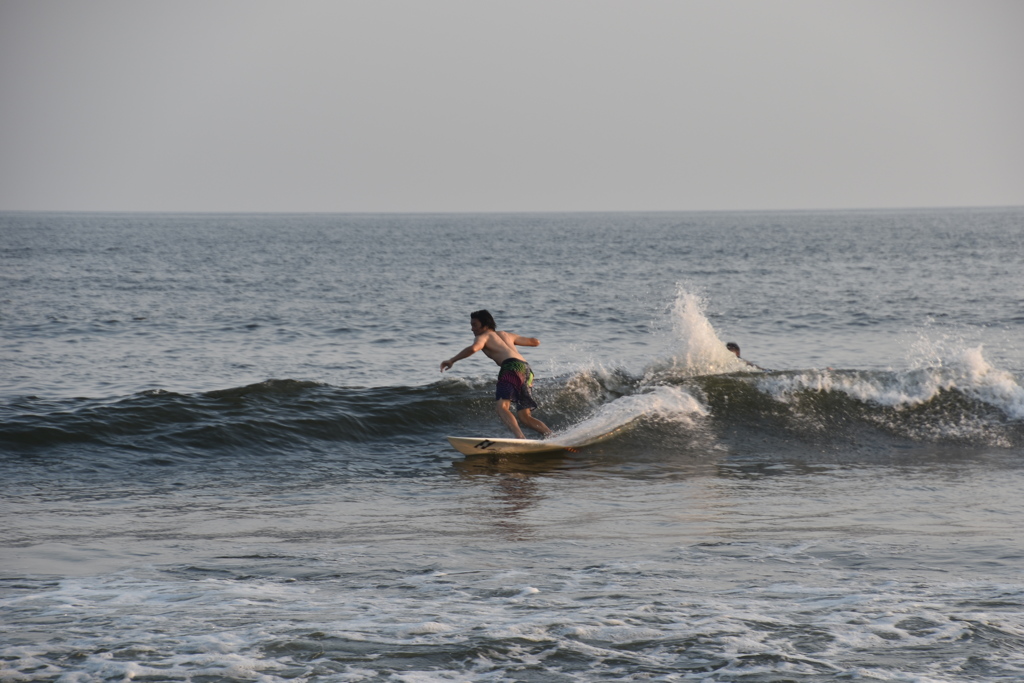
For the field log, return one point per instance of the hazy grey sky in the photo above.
(474, 105)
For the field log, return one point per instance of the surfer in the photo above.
(735, 348)
(515, 377)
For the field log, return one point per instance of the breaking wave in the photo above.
(974, 403)
(697, 387)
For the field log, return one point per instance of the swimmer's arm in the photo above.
(477, 344)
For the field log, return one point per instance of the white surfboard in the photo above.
(471, 445)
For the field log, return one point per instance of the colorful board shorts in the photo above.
(514, 381)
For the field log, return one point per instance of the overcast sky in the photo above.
(474, 105)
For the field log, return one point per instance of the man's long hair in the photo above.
(485, 318)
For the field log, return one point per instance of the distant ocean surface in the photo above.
(222, 441)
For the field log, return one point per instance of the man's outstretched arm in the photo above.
(464, 353)
(519, 340)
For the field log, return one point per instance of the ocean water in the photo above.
(222, 440)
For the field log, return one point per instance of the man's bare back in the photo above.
(500, 345)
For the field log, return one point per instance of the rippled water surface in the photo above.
(222, 440)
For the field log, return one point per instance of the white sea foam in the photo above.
(667, 403)
(696, 347)
(964, 370)
(991, 385)
(754, 618)
(425, 628)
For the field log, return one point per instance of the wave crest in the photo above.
(697, 349)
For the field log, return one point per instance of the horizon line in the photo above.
(185, 212)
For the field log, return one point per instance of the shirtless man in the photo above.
(515, 377)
